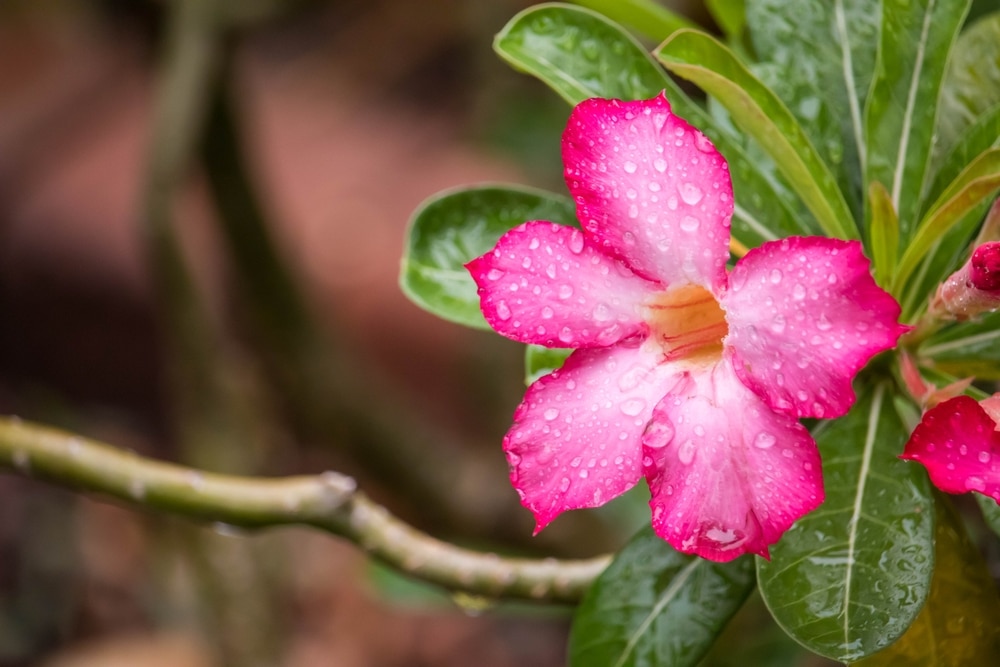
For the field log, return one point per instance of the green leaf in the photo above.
(958, 625)
(654, 606)
(539, 361)
(991, 513)
(645, 16)
(967, 193)
(967, 348)
(757, 111)
(914, 41)
(579, 54)
(971, 83)
(819, 60)
(849, 578)
(544, 41)
(454, 227)
(730, 15)
(977, 138)
(884, 233)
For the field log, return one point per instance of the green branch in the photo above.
(329, 501)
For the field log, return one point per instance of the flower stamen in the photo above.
(688, 322)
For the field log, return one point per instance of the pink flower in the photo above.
(959, 444)
(683, 374)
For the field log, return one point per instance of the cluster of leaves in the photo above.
(870, 119)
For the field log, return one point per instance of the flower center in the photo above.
(688, 323)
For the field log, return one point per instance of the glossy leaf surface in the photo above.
(914, 41)
(972, 82)
(758, 112)
(454, 227)
(960, 624)
(654, 606)
(546, 42)
(819, 60)
(579, 54)
(849, 578)
(644, 16)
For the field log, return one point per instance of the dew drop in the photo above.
(823, 324)
(503, 310)
(799, 292)
(630, 167)
(566, 335)
(547, 313)
(576, 242)
(658, 434)
(689, 223)
(685, 453)
(533, 245)
(775, 276)
(778, 324)
(602, 313)
(494, 274)
(564, 484)
(660, 165)
(691, 193)
(633, 211)
(702, 143)
(984, 457)
(975, 484)
(633, 406)
(764, 440)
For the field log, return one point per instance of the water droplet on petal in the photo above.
(658, 434)
(503, 310)
(778, 324)
(799, 292)
(565, 291)
(533, 245)
(630, 167)
(984, 457)
(702, 143)
(660, 165)
(576, 242)
(823, 324)
(689, 223)
(494, 274)
(685, 453)
(764, 440)
(775, 276)
(633, 406)
(547, 313)
(975, 484)
(602, 313)
(691, 193)
(564, 484)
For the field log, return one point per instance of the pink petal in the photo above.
(728, 475)
(804, 317)
(544, 284)
(958, 444)
(576, 436)
(650, 188)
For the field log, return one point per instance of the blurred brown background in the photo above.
(349, 113)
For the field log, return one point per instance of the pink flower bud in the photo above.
(984, 267)
(972, 290)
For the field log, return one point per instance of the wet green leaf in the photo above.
(654, 607)
(849, 578)
(914, 41)
(960, 623)
(971, 83)
(644, 16)
(977, 138)
(544, 42)
(457, 226)
(967, 348)
(969, 192)
(819, 60)
(758, 112)
(884, 232)
(579, 54)
(539, 361)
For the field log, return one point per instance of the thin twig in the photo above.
(329, 501)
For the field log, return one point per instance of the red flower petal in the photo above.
(958, 443)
